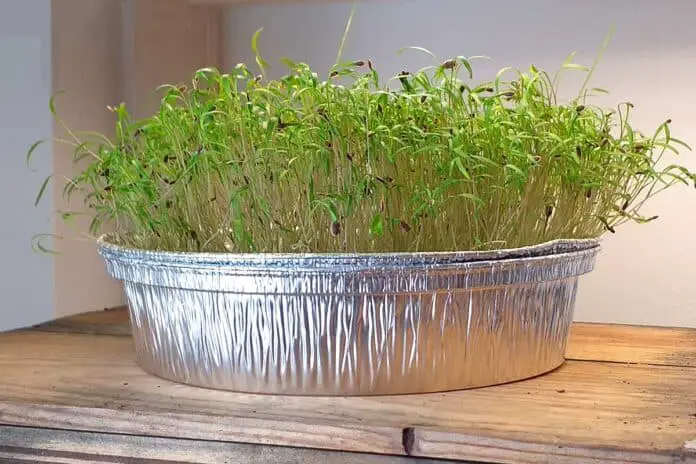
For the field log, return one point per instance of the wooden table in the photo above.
(70, 392)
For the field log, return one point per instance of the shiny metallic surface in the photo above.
(353, 324)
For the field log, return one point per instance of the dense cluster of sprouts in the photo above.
(426, 161)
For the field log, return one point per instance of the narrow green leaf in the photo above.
(288, 62)
(467, 65)
(575, 66)
(332, 211)
(68, 217)
(52, 102)
(516, 170)
(345, 36)
(569, 59)
(471, 197)
(460, 167)
(42, 190)
(419, 49)
(69, 188)
(31, 150)
(255, 41)
(377, 226)
(674, 140)
(312, 195)
(479, 57)
(263, 65)
(38, 245)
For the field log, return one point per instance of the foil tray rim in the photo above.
(308, 262)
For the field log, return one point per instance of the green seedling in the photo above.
(429, 160)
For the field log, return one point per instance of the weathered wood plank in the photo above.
(448, 444)
(25, 444)
(597, 410)
(265, 430)
(111, 321)
(633, 344)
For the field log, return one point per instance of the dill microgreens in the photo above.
(425, 161)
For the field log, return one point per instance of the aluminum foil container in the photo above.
(351, 324)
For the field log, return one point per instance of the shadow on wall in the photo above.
(644, 274)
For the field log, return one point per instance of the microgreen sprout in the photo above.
(428, 160)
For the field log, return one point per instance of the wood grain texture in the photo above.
(633, 344)
(615, 411)
(108, 322)
(25, 444)
(502, 450)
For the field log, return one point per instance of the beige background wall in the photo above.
(646, 273)
(86, 46)
(105, 52)
(166, 41)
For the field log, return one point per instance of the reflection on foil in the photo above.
(351, 324)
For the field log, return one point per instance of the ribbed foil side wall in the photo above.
(343, 332)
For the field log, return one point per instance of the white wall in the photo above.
(26, 278)
(646, 273)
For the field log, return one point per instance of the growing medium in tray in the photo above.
(428, 160)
